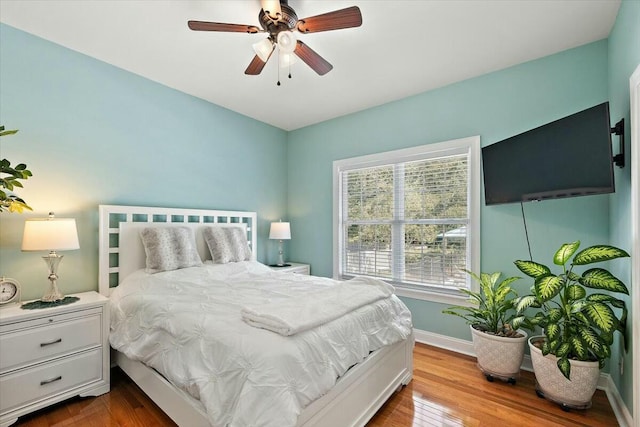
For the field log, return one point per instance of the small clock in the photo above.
(9, 290)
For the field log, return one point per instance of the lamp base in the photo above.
(279, 265)
(280, 262)
(53, 293)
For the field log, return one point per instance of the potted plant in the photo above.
(497, 341)
(578, 326)
(9, 179)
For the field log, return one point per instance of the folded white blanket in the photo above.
(298, 314)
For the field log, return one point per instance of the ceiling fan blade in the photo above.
(217, 26)
(312, 59)
(336, 20)
(256, 65)
(272, 8)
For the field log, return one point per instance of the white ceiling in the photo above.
(402, 48)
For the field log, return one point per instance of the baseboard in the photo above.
(457, 345)
(617, 404)
(466, 347)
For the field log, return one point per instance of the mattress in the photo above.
(187, 325)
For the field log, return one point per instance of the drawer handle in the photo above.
(44, 344)
(51, 380)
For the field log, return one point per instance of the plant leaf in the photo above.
(565, 367)
(572, 276)
(522, 322)
(576, 307)
(525, 302)
(532, 269)
(575, 292)
(601, 316)
(591, 339)
(607, 338)
(598, 253)
(509, 280)
(618, 303)
(552, 331)
(578, 347)
(563, 350)
(473, 275)
(548, 287)
(564, 253)
(7, 132)
(599, 278)
(554, 315)
(606, 351)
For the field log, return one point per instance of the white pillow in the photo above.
(169, 248)
(227, 244)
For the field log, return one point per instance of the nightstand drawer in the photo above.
(293, 267)
(26, 386)
(30, 345)
(302, 269)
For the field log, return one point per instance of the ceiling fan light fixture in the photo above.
(287, 41)
(280, 22)
(263, 49)
(286, 59)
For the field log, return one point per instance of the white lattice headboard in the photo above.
(120, 226)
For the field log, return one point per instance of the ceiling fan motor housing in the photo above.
(286, 22)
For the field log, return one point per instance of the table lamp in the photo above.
(51, 234)
(280, 231)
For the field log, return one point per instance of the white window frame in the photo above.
(470, 146)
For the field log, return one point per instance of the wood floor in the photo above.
(447, 390)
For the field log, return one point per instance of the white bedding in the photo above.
(187, 325)
(315, 307)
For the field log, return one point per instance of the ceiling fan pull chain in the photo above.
(278, 67)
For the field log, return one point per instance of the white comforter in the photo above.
(186, 324)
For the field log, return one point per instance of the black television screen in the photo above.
(565, 158)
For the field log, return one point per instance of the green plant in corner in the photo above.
(576, 326)
(492, 309)
(497, 342)
(10, 178)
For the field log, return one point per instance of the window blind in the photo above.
(406, 222)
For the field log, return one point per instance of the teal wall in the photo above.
(94, 134)
(624, 57)
(494, 106)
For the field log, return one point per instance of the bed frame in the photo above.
(352, 402)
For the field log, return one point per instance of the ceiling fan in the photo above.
(280, 21)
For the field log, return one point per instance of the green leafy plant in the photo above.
(576, 325)
(493, 310)
(10, 178)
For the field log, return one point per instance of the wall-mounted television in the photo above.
(569, 157)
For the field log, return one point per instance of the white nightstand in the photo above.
(295, 267)
(51, 354)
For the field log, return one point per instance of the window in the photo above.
(410, 217)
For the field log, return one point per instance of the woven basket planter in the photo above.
(497, 356)
(552, 385)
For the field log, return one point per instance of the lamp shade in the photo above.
(287, 41)
(50, 234)
(263, 49)
(280, 231)
(286, 59)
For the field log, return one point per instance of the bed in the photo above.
(360, 384)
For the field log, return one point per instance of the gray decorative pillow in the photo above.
(227, 244)
(169, 248)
